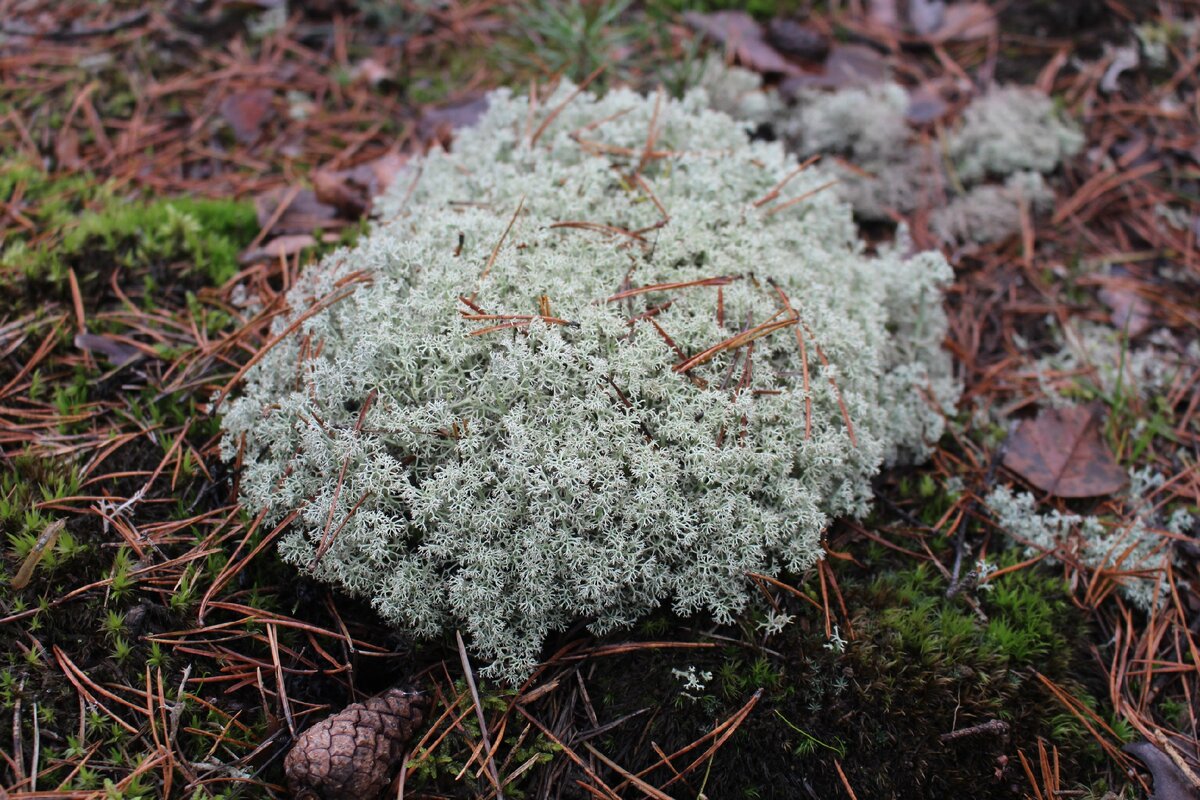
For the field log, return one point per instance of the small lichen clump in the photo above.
(993, 163)
(600, 364)
(1134, 552)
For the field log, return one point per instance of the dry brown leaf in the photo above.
(1131, 312)
(925, 105)
(1169, 781)
(117, 352)
(963, 22)
(352, 191)
(303, 215)
(66, 149)
(847, 65)
(926, 16)
(742, 36)
(247, 113)
(884, 14)
(797, 39)
(281, 246)
(1062, 453)
(437, 125)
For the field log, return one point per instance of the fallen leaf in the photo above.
(925, 105)
(437, 125)
(337, 189)
(926, 16)
(1169, 781)
(965, 21)
(303, 215)
(742, 36)
(847, 65)
(371, 71)
(352, 191)
(280, 246)
(1123, 59)
(117, 352)
(796, 39)
(884, 14)
(66, 149)
(247, 113)
(1131, 312)
(1061, 453)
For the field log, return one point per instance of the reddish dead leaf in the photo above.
(742, 36)
(335, 188)
(796, 39)
(280, 246)
(351, 191)
(926, 16)
(847, 65)
(1170, 783)
(1130, 311)
(963, 22)
(303, 215)
(884, 14)
(247, 113)
(117, 352)
(437, 125)
(66, 149)
(1061, 453)
(925, 105)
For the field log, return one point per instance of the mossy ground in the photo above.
(914, 668)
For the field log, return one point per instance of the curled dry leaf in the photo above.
(742, 36)
(304, 214)
(437, 125)
(281, 246)
(925, 105)
(247, 113)
(1130, 311)
(1061, 453)
(963, 22)
(118, 352)
(847, 65)
(351, 191)
(1170, 783)
(797, 39)
(354, 753)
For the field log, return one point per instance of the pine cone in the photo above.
(354, 752)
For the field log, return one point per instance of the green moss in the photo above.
(918, 666)
(86, 225)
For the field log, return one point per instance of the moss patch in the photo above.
(78, 223)
(917, 667)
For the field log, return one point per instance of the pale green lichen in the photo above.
(884, 168)
(1134, 551)
(1009, 130)
(991, 212)
(508, 483)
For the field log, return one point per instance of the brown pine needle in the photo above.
(787, 303)
(666, 287)
(553, 115)
(496, 250)
(777, 188)
(744, 338)
(602, 228)
(800, 198)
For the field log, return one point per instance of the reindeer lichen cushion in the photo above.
(605, 355)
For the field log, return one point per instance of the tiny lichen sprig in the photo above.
(593, 372)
